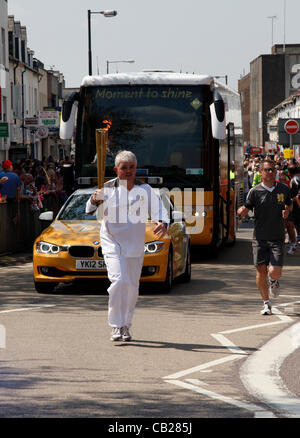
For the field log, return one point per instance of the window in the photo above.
(11, 43)
(23, 51)
(4, 109)
(3, 47)
(17, 51)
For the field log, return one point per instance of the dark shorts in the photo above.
(294, 216)
(267, 252)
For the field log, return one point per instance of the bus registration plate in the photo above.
(91, 264)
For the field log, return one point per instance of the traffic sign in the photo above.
(288, 153)
(49, 118)
(42, 132)
(291, 127)
(4, 130)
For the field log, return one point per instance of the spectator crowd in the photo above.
(45, 185)
(287, 172)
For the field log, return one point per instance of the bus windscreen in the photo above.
(167, 127)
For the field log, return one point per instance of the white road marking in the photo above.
(22, 309)
(288, 304)
(251, 327)
(239, 354)
(203, 366)
(290, 296)
(261, 372)
(258, 411)
(227, 343)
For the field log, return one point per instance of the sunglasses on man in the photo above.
(269, 169)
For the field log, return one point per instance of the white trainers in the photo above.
(274, 288)
(116, 334)
(267, 309)
(126, 336)
(293, 249)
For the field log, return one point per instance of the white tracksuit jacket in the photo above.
(122, 235)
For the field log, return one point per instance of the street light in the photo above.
(107, 14)
(130, 61)
(272, 17)
(284, 17)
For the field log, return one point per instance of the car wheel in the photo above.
(167, 284)
(44, 288)
(186, 276)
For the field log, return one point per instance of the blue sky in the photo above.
(217, 37)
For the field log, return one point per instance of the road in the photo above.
(198, 352)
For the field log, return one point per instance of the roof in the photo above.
(147, 78)
(290, 99)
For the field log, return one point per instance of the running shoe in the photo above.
(293, 249)
(267, 310)
(126, 336)
(116, 334)
(274, 288)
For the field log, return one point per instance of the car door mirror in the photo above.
(46, 216)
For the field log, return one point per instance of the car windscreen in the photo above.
(74, 209)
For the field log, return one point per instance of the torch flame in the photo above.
(108, 123)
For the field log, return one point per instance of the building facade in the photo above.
(272, 79)
(5, 102)
(287, 109)
(34, 90)
(244, 91)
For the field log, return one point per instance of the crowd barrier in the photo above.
(19, 236)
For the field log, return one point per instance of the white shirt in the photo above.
(124, 216)
(270, 189)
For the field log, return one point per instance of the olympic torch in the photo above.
(101, 146)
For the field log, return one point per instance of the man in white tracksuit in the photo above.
(126, 204)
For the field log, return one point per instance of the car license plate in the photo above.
(91, 264)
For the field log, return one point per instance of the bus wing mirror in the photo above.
(67, 123)
(218, 122)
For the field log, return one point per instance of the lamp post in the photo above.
(272, 17)
(105, 14)
(284, 17)
(130, 61)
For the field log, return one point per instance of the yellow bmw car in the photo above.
(70, 248)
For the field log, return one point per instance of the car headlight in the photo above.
(153, 247)
(49, 248)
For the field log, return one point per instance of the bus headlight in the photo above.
(153, 247)
(49, 248)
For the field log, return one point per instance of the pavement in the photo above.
(16, 258)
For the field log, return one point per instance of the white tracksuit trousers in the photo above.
(124, 275)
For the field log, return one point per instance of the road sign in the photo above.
(31, 122)
(284, 139)
(291, 127)
(42, 132)
(288, 153)
(49, 118)
(4, 130)
(256, 150)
